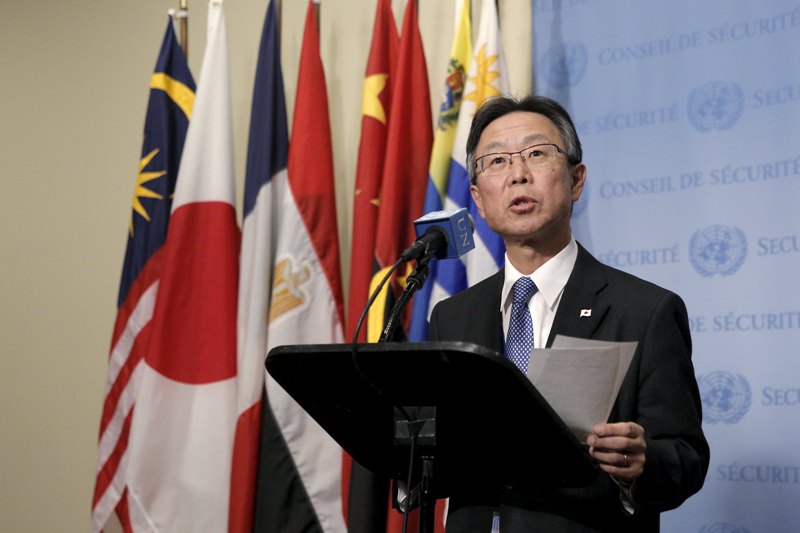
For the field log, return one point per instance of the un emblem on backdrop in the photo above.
(563, 65)
(722, 527)
(726, 397)
(715, 106)
(718, 250)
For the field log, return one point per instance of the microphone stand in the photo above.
(409, 430)
(414, 282)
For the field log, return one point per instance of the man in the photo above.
(524, 159)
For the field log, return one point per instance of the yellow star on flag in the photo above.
(140, 191)
(371, 104)
(484, 78)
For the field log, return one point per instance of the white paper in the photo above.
(580, 379)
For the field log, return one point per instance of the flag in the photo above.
(487, 77)
(299, 485)
(439, 170)
(181, 435)
(266, 165)
(375, 108)
(169, 109)
(366, 495)
(405, 169)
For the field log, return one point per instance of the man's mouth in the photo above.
(522, 204)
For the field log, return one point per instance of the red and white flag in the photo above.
(181, 437)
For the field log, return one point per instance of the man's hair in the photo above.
(495, 108)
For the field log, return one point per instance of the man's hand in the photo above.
(619, 449)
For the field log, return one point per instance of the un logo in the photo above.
(563, 65)
(715, 105)
(726, 397)
(718, 250)
(723, 527)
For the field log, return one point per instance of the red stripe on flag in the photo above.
(124, 376)
(109, 470)
(123, 514)
(202, 248)
(245, 469)
(311, 160)
(148, 275)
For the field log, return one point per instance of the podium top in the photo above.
(492, 425)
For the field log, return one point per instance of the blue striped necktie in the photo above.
(519, 340)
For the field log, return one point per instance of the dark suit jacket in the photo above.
(659, 393)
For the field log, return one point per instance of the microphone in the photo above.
(443, 234)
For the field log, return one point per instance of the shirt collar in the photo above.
(550, 278)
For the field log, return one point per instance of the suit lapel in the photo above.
(487, 311)
(582, 306)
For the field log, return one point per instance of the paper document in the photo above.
(580, 379)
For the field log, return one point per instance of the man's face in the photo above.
(527, 205)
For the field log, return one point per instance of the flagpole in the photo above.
(278, 11)
(183, 27)
(316, 13)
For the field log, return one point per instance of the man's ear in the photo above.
(476, 197)
(578, 180)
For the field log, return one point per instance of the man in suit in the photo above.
(524, 159)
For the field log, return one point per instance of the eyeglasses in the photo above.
(498, 163)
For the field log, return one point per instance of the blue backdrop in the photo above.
(690, 117)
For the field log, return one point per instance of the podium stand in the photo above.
(491, 424)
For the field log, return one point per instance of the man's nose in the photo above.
(518, 170)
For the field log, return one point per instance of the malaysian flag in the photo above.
(169, 109)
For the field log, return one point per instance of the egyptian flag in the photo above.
(299, 479)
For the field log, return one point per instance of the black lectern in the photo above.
(490, 424)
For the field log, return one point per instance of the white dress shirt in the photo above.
(550, 279)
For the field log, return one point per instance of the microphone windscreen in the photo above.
(456, 224)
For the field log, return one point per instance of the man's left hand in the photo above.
(619, 449)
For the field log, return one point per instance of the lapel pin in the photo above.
(586, 312)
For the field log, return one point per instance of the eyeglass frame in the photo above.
(510, 155)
